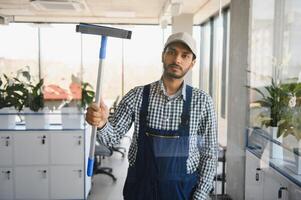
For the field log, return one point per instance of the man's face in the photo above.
(177, 60)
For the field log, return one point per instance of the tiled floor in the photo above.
(103, 186)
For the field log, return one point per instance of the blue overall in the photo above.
(160, 171)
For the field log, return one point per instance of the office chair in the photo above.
(221, 177)
(102, 151)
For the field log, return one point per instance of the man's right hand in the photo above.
(97, 115)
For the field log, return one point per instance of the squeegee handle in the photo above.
(102, 55)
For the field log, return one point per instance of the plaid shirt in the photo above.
(165, 113)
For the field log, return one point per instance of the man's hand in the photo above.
(97, 115)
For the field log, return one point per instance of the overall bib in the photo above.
(160, 171)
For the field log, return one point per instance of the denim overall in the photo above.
(160, 171)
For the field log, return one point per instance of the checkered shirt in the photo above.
(165, 113)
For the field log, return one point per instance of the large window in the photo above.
(19, 48)
(56, 52)
(275, 68)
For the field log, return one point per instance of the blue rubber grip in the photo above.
(90, 167)
(103, 46)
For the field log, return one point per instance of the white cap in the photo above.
(184, 38)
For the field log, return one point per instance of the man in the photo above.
(173, 153)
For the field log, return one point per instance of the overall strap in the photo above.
(185, 118)
(144, 107)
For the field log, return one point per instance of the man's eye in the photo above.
(185, 56)
(170, 52)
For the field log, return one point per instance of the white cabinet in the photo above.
(254, 178)
(73, 145)
(6, 149)
(31, 148)
(67, 182)
(6, 183)
(32, 182)
(274, 187)
(43, 164)
(263, 182)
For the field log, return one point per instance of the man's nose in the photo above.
(178, 58)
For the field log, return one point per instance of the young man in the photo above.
(173, 153)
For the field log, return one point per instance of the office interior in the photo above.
(247, 60)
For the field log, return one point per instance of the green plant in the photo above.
(33, 93)
(87, 94)
(12, 93)
(278, 99)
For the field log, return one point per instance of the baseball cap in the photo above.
(184, 38)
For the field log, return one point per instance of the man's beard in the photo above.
(171, 74)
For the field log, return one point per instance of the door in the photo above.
(31, 148)
(6, 183)
(67, 182)
(67, 147)
(254, 178)
(32, 182)
(6, 152)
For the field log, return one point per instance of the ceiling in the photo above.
(98, 11)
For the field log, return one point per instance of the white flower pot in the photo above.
(72, 118)
(8, 118)
(297, 155)
(37, 120)
(276, 150)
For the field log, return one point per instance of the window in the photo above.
(275, 47)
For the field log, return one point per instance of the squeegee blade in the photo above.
(103, 30)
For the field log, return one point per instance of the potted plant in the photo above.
(73, 109)
(274, 101)
(36, 115)
(11, 101)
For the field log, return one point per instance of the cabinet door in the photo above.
(67, 147)
(6, 152)
(67, 182)
(254, 178)
(273, 188)
(31, 148)
(31, 182)
(295, 192)
(6, 183)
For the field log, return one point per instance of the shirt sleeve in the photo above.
(208, 151)
(120, 122)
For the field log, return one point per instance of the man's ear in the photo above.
(192, 63)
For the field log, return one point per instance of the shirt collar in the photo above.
(180, 92)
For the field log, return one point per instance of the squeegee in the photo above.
(105, 32)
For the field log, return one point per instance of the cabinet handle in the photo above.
(280, 192)
(257, 174)
(8, 174)
(79, 140)
(79, 172)
(44, 139)
(44, 173)
(7, 141)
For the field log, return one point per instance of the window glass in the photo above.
(275, 65)
(205, 56)
(19, 48)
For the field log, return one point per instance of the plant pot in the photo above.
(37, 120)
(276, 150)
(8, 118)
(297, 154)
(72, 118)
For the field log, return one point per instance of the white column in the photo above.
(183, 23)
(238, 102)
